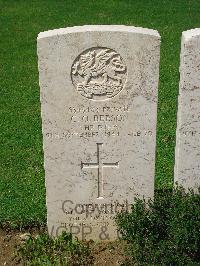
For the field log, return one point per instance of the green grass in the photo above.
(22, 189)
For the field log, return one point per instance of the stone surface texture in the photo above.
(99, 104)
(187, 157)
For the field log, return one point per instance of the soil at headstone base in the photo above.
(8, 242)
(108, 253)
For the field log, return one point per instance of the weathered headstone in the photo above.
(187, 157)
(99, 104)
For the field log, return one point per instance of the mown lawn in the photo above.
(22, 189)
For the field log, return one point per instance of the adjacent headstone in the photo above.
(99, 104)
(187, 157)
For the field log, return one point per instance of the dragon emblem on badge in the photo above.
(99, 73)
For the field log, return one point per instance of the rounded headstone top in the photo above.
(188, 34)
(86, 28)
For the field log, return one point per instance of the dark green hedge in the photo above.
(165, 231)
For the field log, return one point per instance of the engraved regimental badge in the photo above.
(99, 73)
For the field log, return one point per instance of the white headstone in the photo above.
(187, 157)
(99, 104)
